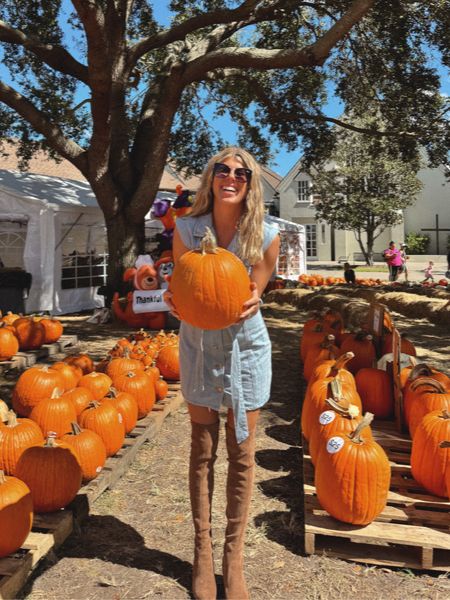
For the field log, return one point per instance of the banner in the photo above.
(149, 301)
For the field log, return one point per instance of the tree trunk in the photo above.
(126, 240)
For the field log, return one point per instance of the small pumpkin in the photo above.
(97, 383)
(30, 333)
(80, 398)
(16, 513)
(375, 388)
(434, 396)
(54, 414)
(209, 286)
(126, 406)
(83, 361)
(361, 344)
(161, 388)
(71, 374)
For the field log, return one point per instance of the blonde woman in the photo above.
(229, 367)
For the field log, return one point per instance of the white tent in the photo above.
(292, 258)
(54, 229)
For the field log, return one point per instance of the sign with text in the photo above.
(149, 301)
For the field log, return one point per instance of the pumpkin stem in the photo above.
(355, 436)
(208, 245)
(50, 441)
(437, 385)
(342, 361)
(445, 414)
(12, 419)
(445, 444)
(2, 477)
(349, 410)
(76, 429)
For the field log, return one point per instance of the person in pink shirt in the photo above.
(393, 257)
(429, 272)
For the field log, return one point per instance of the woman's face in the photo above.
(228, 190)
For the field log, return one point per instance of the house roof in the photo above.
(41, 164)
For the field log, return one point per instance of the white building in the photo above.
(429, 214)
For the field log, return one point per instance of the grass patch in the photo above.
(372, 269)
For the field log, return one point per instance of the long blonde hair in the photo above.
(251, 224)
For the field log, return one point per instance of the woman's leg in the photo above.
(241, 470)
(204, 440)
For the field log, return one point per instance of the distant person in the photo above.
(429, 272)
(349, 273)
(393, 259)
(405, 257)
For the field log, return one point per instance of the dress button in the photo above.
(217, 366)
(219, 389)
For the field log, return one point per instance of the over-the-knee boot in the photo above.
(201, 483)
(241, 470)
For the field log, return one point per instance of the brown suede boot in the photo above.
(241, 470)
(204, 441)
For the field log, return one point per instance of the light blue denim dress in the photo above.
(230, 367)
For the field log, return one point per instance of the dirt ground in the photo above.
(137, 542)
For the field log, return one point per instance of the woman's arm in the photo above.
(178, 249)
(261, 273)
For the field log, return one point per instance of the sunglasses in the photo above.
(221, 170)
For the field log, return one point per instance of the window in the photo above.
(12, 243)
(84, 257)
(311, 241)
(322, 233)
(303, 190)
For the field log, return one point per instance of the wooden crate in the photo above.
(413, 531)
(22, 360)
(50, 531)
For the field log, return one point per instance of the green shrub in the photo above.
(417, 243)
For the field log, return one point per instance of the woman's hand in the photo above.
(250, 307)
(167, 297)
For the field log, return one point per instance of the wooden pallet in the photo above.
(49, 531)
(23, 360)
(413, 531)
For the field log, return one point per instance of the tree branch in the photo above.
(179, 32)
(313, 55)
(52, 133)
(54, 56)
(274, 111)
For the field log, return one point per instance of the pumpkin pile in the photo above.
(345, 391)
(67, 418)
(26, 333)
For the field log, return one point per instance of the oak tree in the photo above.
(102, 84)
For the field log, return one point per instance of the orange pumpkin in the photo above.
(16, 514)
(16, 435)
(433, 396)
(375, 388)
(89, 448)
(106, 421)
(69, 373)
(83, 361)
(9, 344)
(33, 385)
(209, 286)
(429, 458)
(97, 383)
(80, 398)
(352, 476)
(361, 344)
(126, 406)
(54, 414)
(141, 386)
(53, 330)
(161, 389)
(53, 474)
(168, 362)
(30, 333)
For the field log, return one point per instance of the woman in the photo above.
(230, 367)
(394, 261)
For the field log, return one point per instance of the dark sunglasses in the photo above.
(222, 170)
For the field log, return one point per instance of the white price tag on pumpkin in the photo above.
(327, 417)
(335, 444)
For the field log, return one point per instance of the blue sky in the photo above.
(283, 159)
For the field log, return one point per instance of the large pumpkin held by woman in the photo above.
(210, 286)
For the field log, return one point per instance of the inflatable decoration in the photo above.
(167, 214)
(144, 277)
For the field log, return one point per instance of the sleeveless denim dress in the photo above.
(229, 367)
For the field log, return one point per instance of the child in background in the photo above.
(349, 273)
(429, 272)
